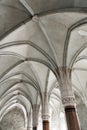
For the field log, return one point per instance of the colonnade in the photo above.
(68, 101)
(70, 113)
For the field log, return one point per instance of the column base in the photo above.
(71, 117)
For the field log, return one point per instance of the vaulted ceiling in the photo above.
(37, 38)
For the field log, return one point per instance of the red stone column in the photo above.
(45, 125)
(34, 128)
(71, 118)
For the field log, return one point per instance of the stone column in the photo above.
(70, 112)
(35, 116)
(45, 112)
(34, 127)
(68, 100)
(29, 127)
(45, 125)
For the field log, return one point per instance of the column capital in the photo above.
(69, 101)
(45, 116)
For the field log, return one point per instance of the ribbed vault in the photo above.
(38, 39)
